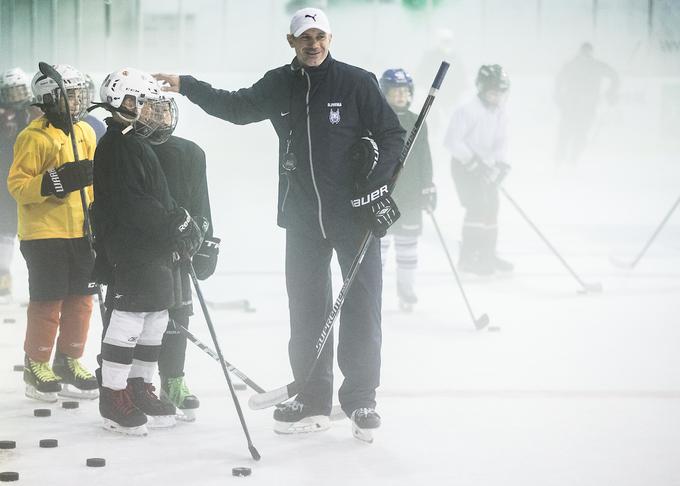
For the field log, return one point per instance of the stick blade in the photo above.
(617, 262)
(591, 288)
(253, 452)
(268, 399)
(50, 72)
(481, 322)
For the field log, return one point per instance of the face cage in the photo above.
(78, 101)
(15, 95)
(152, 116)
(169, 118)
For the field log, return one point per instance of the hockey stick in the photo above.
(631, 265)
(482, 321)
(53, 74)
(253, 452)
(336, 411)
(240, 304)
(278, 395)
(587, 287)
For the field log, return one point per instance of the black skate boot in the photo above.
(76, 381)
(175, 391)
(407, 297)
(502, 266)
(364, 420)
(41, 382)
(481, 267)
(162, 414)
(119, 412)
(295, 417)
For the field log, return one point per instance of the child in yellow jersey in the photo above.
(46, 182)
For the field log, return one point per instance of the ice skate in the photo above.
(161, 414)
(76, 381)
(120, 414)
(407, 297)
(295, 417)
(41, 382)
(364, 421)
(502, 266)
(476, 266)
(176, 392)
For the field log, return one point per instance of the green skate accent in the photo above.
(77, 369)
(175, 390)
(42, 371)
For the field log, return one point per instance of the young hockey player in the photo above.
(320, 108)
(139, 230)
(15, 114)
(183, 163)
(477, 139)
(415, 190)
(46, 182)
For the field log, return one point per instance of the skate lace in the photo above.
(363, 412)
(43, 371)
(293, 406)
(177, 389)
(78, 370)
(123, 402)
(150, 389)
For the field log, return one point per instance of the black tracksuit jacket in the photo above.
(322, 112)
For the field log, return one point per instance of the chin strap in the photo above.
(108, 107)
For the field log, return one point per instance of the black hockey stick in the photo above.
(271, 398)
(336, 411)
(240, 304)
(253, 452)
(53, 74)
(631, 265)
(587, 287)
(480, 322)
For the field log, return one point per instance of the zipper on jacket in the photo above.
(285, 194)
(309, 143)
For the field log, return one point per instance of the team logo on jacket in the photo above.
(334, 114)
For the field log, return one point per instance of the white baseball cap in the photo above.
(309, 18)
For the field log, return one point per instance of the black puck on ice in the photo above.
(48, 443)
(70, 405)
(95, 462)
(493, 329)
(18, 368)
(9, 476)
(7, 444)
(9, 320)
(240, 471)
(42, 412)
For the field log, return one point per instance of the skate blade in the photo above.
(364, 435)
(186, 415)
(70, 391)
(314, 423)
(111, 426)
(406, 307)
(161, 421)
(32, 392)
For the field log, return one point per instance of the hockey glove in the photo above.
(186, 233)
(497, 173)
(363, 157)
(67, 178)
(378, 210)
(428, 198)
(205, 259)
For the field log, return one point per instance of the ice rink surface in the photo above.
(572, 390)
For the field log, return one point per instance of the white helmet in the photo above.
(15, 88)
(126, 82)
(47, 93)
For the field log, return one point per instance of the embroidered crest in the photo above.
(334, 116)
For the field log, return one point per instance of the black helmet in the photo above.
(492, 76)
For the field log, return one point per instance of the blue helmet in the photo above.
(396, 78)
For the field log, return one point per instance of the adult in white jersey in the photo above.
(477, 141)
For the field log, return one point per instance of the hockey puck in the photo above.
(18, 368)
(95, 462)
(493, 328)
(7, 444)
(9, 476)
(9, 320)
(70, 405)
(240, 471)
(240, 386)
(48, 443)
(42, 412)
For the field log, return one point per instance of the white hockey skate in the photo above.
(295, 417)
(364, 422)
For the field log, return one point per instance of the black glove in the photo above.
(205, 259)
(496, 174)
(363, 157)
(67, 178)
(378, 210)
(428, 198)
(186, 233)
